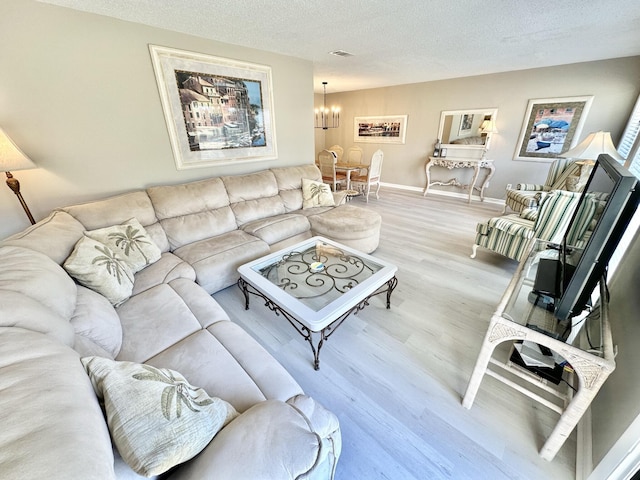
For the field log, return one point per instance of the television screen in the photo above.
(607, 204)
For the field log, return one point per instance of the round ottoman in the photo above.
(352, 226)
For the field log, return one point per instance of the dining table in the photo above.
(348, 168)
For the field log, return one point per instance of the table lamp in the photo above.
(12, 158)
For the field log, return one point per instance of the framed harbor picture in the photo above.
(382, 129)
(218, 111)
(551, 127)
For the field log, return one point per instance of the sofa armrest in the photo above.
(272, 439)
(168, 268)
(52, 424)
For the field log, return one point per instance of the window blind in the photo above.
(629, 146)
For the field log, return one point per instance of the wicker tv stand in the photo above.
(517, 319)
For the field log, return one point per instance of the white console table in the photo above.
(517, 319)
(454, 162)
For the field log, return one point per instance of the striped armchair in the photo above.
(528, 195)
(509, 235)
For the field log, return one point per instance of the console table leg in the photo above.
(476, 172)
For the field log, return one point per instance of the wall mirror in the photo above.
(467, 129)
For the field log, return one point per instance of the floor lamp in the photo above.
(587, 152)
(12, 158)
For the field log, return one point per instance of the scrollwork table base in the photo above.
(316, 285)
(450, 163)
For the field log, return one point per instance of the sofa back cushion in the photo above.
(193, 211)
(55, 236)
(253, 196)
(117, 210)
(289, 180)
(36, 293)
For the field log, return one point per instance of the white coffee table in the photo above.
(316, 284)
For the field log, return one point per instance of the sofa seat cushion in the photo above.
(52, 424)
(240, 452)
(352, 226)
(228, 363)
(159, 317)
(217, 259)
(36, 293)
(168, 268)
(157, 419)
(279, 227)
(97, 325)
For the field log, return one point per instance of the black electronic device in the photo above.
(553, 374)
(616, 194)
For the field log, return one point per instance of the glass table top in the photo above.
(317, 273)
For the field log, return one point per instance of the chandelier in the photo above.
(327, 118)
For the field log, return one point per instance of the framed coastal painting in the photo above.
(381, 129)
(551, 127)
(218, 111)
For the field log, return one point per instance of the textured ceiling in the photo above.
(396, 42)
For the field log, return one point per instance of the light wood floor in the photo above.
(395, 378)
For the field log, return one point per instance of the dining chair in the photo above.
(364, 182)
(354, 156)
(327, 165)
(339, 151)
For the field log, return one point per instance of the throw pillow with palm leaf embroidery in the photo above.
(156, 418)
(98, 267)
(316, 194)
(131, 241)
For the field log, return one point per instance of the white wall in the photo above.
(613, 83)
(79, 96)
(616, 406)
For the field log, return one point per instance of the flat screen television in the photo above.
(609, 201)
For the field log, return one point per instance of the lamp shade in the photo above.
(592, 146)
(488, 126)
(11, 157)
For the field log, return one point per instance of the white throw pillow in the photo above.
(316, 194)
(157, 420)
(99, 268)
(131, 241)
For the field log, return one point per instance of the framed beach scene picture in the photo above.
(551, 127)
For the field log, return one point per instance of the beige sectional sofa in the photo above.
(53, 424)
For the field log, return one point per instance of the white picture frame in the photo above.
(380, 129)
(218, 111)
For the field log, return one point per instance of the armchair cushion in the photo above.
(525, 195)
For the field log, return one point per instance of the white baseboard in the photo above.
(498, 201)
